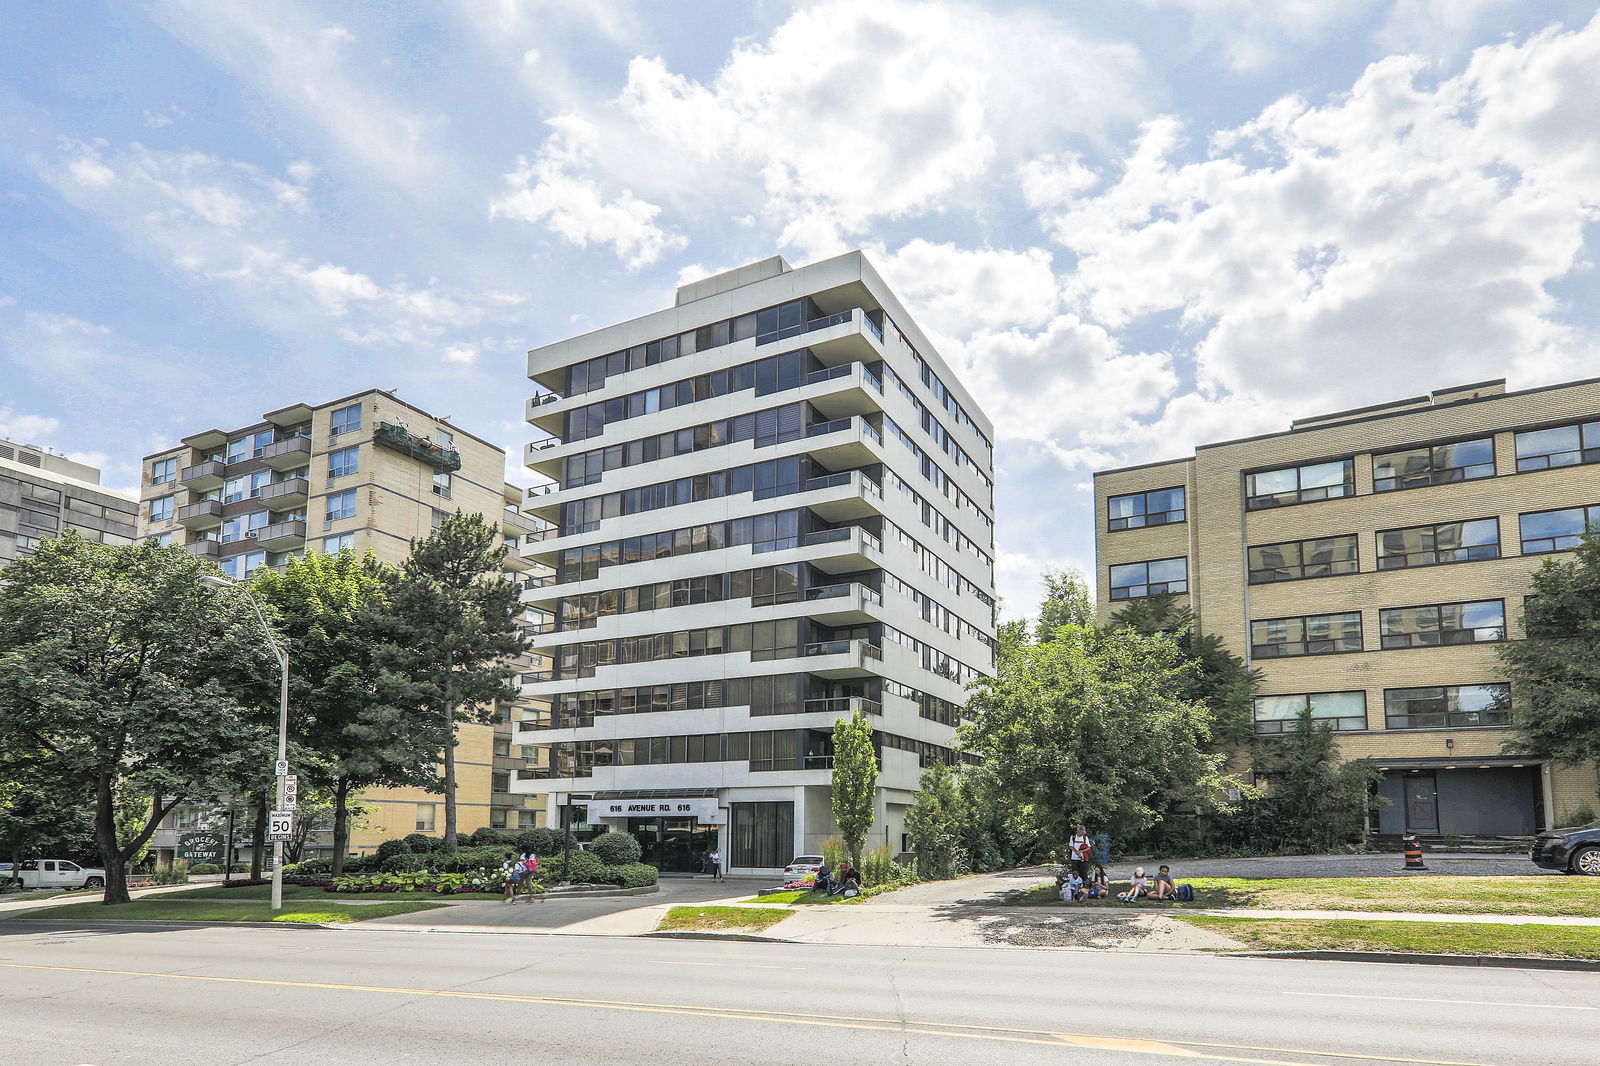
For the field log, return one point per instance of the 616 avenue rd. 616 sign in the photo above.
(702, 809)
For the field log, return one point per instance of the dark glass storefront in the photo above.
(674, 845)
(763, 834)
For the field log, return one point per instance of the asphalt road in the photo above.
(120, 996)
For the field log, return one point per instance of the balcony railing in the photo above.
(843, 588)
(534, 677)
(841, 647)
(844, 705)
(806, 327)
(538, 581)
(290, 452)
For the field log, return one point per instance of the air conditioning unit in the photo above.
(250, 534)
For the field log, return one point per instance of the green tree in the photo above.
(1067, 602)
(42, 811)
(451, 633)
(132, 675)
(351, 725)
(1086, 726)
(1215, 677)
(934, 822)
(1555, 669)
(855, 782)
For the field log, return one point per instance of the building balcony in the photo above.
(843, 706)
(842, 658)
(285, 495)
(845, 496)
(402, 440)
(287, 454)
(843, 604)
(202, 477)
(279, 536)
(837, 338)
(847, 549)
(205, 549)
(207, 514)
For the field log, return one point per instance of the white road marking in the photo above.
(1457, 1002)
(666, 962)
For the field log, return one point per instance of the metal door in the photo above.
(1422, 802)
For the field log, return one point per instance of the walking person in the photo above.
(715, 859)
(512, 870)
(530, 867)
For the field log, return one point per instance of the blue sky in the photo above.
(1132, 226)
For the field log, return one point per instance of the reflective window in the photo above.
(1447, 542)
(1130, 581)
(334, 545)
(161, 509)
(238, 449)
(1553, 531)
(344, 420)
(1312, 634)
(1295, 560)
(1447, 706)
(344, 461)
(1158, 508)
(1541, 449)
(163, 471)
(1439, 624)
(341, 505)
(1300, 484)
(1439, 464)
(1340, 710)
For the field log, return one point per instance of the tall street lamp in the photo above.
(217, 581)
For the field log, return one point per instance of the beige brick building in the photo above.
(1369, 563)
(370, 472)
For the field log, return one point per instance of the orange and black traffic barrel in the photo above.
(1413, 853)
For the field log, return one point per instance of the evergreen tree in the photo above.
(1215, 677)
(934, 822)
(451, 633)
(133, 677)
(855, 782)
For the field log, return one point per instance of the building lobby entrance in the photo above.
(674, 845)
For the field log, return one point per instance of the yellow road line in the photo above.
(1133, 1045)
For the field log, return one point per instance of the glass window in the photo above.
(1159, 508)
(441, 485)
(238, 449)
(426, 814)
(259, 442)
(1313, 634)
(258, 481)
(232, 529)
(1341, 710)
(342, 505)
(1298, 559)
(1133, 580)
(162, 540)
(1438, 624)
(344, 420)
(1553, 531)
(1438, 464)
(1448, 542)
(444, 439)
(1447, 706)
(163, 471)
(1540, 449)
(762, 833)
(333, 545)
(344, 461)
(161, 509)
(1300, 484)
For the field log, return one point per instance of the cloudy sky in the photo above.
(1133, 226)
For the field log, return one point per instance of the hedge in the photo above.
(629, 875)
(616, 849)
(542, 842)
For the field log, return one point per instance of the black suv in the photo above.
(1569, 850)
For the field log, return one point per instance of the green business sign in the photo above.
(201, 847)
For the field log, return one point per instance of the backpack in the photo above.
(1185, 894)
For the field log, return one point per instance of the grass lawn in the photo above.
(1437, 894)
(1448, 938)
(243, 911)
(313, 892)
(806, 897)
(720, 919)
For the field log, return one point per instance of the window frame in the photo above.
(1111, 589)
(1145, 514)
(353, 453)
(328, 512)
(1448, 694)
(1304, 640)
(1379, 556)
(1555, 545)
(338, 426)
(164, 471)
(166, 512)
(1255, 720)
(1383, 644)
(1299, 491)
(1301, 566)
(1583, 452)
(1433, 469)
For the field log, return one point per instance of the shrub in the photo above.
(176, 874)
(390, 848)
(584, 867)
(833, 852)
(205, 868)
(464, 860)
(1583, 814)
(309, 867)
(423, 842)
(540, 841)
(627, 875)
(877, 865)
(488, 836)
(403, 863)
(616, 849)
(239, 868)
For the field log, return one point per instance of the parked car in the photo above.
(1575, 850)
(59, 873)
(802, 866)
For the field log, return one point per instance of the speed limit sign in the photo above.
(280, 826)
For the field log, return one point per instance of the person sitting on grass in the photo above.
(822, 882)
(1137, 887)
(1072, 889)
(849, 879)
(1099, 886)
(1162, 887)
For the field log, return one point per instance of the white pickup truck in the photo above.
(59, 873)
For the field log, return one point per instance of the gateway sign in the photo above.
(702, 809)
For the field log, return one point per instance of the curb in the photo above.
(160, 923)
(1516, 962)
(751, 938)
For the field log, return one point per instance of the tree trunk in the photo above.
(341, 824)
(449, 755)
(105, 836)
(258, 835)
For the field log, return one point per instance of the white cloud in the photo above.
(25, 428)
(1253, 35)
(461, 353)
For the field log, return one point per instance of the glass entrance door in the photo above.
(673, 845)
